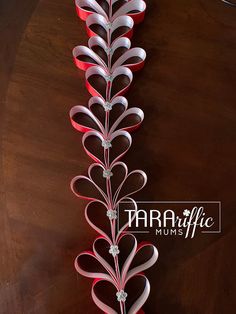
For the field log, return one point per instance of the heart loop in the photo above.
(83, 120)
(106, 152)
(87, 264)
(108, 86)
(133, 183)
(83, 187)
(97, 25)
(145, 257)
(85, 57)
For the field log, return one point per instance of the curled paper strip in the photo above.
(116, 261)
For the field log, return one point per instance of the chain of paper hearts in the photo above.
(97, 264)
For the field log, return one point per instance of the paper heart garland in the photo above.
(116, 261)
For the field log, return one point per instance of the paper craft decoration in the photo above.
(116, 261)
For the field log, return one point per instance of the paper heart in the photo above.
(104, 295)
(134, 8)
(98, 25)
(108, 180)
(100, 108)
(112, 52)
(108, 184)
(108, 85)
(119, 117)
(120, 142)
(96, 216)
(127, 244)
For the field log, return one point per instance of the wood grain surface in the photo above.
(187, 146)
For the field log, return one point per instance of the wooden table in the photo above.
(188, 93)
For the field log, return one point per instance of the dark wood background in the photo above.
(186, 145)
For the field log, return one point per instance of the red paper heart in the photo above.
(120, 144)
(100, 83)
